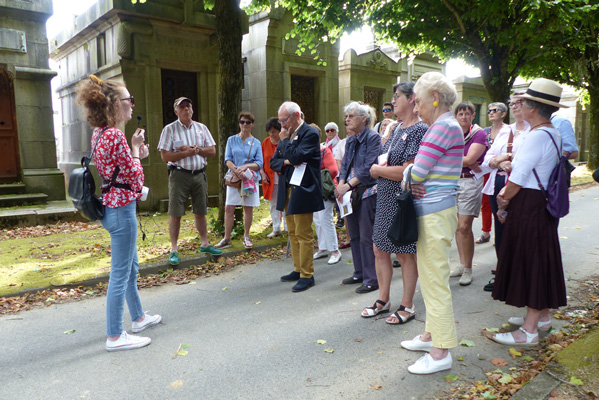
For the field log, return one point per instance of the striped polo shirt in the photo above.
(197, 134)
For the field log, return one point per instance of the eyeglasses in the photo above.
(493, 110)
(350, 116)
(131, 100)
(516, 103)
(331, 130)
(284, 120)
(387, 109)
(242, 122)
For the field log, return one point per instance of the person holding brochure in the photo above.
(297, 159)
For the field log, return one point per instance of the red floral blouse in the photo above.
(112, 151)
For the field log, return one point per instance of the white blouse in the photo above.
(536, 151)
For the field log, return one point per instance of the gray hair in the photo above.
(437, 82)
(544, 110)
(499, 105)
(331, 125)
(361, 108)
(291, 107)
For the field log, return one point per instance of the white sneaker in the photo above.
(273, 234)
(426, 365)
(466, 278)
(127, 342)
(458, 270)
(417, 345)
(320, 254)
(148, 321)
(335, 257)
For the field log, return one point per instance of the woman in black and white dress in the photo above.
(400, 148)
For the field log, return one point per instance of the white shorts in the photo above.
(235, 199)
(470, 196)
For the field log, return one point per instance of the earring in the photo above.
(435, 103)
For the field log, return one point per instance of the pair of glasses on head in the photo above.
(387, 109)
(243, 122)
(517, 103)
(330, 130)
(131, 100)
(493, 110)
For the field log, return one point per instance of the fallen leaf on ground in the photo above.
(177, 384)
(499, 362)
(330, 350)
(378, 387)
(321, 341)
(451, 378)
(515, 353)
(575, 381)
(467, 343)
(69, 332)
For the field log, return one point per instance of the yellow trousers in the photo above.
(435, 232)
(301, 238)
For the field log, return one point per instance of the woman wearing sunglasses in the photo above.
(243, 157)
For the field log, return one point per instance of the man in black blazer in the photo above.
(298, 148)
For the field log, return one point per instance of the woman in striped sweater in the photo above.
(435, 175)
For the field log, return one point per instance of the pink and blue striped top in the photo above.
(438, 165)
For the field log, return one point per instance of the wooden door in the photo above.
(177, 84)
(303, 90)
(9, 149)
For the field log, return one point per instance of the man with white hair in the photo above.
(297, 159)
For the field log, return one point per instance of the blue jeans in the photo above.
(121, 224)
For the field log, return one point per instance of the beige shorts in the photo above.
(181, 185)
(470, 196)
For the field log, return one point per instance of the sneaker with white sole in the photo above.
(127, 342)
(273, 234)
(335, 258)
(417, 345)
(426, 365)
(466, 278)
(148, 321)
(458, 270)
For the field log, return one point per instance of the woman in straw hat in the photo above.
(529, 271)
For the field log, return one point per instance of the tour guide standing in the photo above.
(299, 148)
(185, 145)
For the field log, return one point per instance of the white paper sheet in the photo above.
(382, 160)
(298, 174)
(345, 207)
(483, 171)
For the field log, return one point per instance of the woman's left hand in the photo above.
(144, 151)
(341, 190)
(375, 171)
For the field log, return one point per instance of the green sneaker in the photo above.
(210, 249)
(174, 258)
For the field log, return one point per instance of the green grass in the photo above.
(581, 175)
(65, 257)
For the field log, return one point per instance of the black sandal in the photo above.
(374, 311)
(489, 286)
(400, 318)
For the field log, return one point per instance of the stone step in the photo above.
(50, 213)
(20, 200)
(12, 188)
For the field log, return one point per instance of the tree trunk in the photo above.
(230, 82)
(593, 160)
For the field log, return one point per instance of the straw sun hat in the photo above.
(544, 91)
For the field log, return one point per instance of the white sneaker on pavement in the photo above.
(127, 342)
(273, 234)
(426, 365)
(320, 254)
(417, 345)
(458, 270)
(148, 321)
(466, 278)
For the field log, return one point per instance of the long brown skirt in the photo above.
(529, 270)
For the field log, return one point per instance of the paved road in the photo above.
(257, 339)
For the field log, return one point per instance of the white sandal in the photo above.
(508, 338)
(518, 321)
(374, 311)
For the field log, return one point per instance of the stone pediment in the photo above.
(374, 60)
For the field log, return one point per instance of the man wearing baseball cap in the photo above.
(185, 146)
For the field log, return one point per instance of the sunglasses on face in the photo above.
(386, 109)
(493, 110)
(131, 100)
(242, 122)
(330, 130)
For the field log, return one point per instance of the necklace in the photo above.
(536, 126)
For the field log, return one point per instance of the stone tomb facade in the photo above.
(27, 144)
(162, 50)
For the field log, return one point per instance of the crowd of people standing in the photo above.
(425, 144)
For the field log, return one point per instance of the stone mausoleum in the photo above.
(28, 168)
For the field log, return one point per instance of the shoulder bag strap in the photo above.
(510, 141)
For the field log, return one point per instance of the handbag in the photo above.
(404, 227)
(233, 180)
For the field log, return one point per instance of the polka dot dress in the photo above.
(402, 146)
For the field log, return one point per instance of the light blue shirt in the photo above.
(564, 127)
(237, 151)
